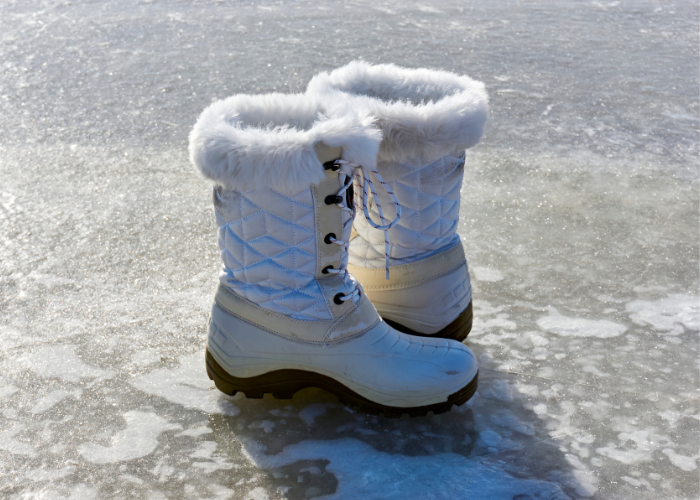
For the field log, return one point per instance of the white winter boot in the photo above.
(287, 313)
(428, 118)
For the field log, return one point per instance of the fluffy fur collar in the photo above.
(421, 112)
(258, 141)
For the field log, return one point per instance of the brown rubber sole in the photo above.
(457, 330)
(283, 384)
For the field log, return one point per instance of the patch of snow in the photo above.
(669, 315)
(8, 391)
(499, 389)
(39, 475)
(61, 361)
(187, 385)
(626, 456)
(682, 462)
(205, 450)
(580, 327)
(140, 438)
(637, 446)
(486, 274)
(196, 431)
(9, 443)
(258, 493)
(309, 413)
(53, 398)
(500, 321)
(80, 492)
(266, 425)
(507, 419)
(146, 357)
(490, 438)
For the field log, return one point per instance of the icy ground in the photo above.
(579, 219)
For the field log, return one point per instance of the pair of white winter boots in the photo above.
(337, 212)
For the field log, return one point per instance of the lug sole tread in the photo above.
(457, 330)
(283, 384)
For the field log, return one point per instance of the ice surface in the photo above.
(310, 413)
(579, 218)
(62, 362)
(486, 274)
(671, 315)
(187, 385)
(140, 438)
(368, 474)
(53, 398)
(579, 327)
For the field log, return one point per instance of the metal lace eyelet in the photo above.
(337, 299)
(333, 165)
(333, 199)
(328, 239)
(325, 269)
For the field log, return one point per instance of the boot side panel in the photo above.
(428, 307)
(382, 365)
(267, 240)
(424, 296)
(357, 320)
(429, 194)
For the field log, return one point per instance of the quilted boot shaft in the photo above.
(428, 119)
(429, 194)
(267, 240)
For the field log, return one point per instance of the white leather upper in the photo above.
(429, 198)
(429, 306)
(426, 295)
(383, 365)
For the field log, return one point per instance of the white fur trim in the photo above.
(267, 141)
(421, 112)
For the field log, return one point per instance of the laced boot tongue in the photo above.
(344, 200)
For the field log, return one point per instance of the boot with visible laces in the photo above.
(428, 118)
(287, 313)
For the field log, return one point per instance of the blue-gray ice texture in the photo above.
(579, 219)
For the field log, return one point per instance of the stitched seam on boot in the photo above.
(410, 264)
(295, 339)
(354, 308)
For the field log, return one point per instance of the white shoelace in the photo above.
(350, 170)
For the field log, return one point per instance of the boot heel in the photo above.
(458, 330)
(220, 383)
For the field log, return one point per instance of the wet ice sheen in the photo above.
(187, 385)
(671, 315)
(367, 474)
(580, 327)
(579, 218)
(140, 438)
(61, 362)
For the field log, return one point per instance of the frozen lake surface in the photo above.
(579, 219)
